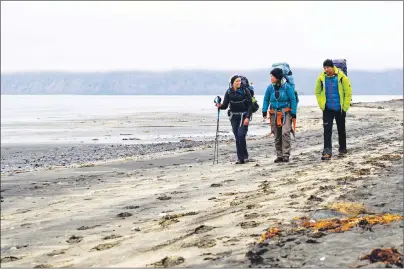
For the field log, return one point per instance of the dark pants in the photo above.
(240, 134)
(328, 119)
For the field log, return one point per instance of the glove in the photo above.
(293, 116)
(264, 114)
(343, 113)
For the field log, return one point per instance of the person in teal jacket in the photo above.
(280, 102)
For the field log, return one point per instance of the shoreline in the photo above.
(20, 158)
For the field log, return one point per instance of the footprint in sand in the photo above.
(102, 247)
(74, 239)
(169, 262)
(251, 216)
(57, 252)
(203, 229)
(164, 198)
(315, 198)
(214, 185)
(112, 236)
(131, 207)
(293, 196)
(87, 227)
(10, 259)
(201, 243)
(253, 206)
(248, 224)
(236, 202)
(124, 215)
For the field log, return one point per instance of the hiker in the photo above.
(333, 92)
(240, 111)
(281, 99)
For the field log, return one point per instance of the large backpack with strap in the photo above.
(245, 86)
(341, 64)
(287, 74)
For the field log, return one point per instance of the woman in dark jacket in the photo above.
(240, 102)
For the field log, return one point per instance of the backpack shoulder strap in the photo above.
(247, 92)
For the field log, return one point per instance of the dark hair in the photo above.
(328, 63)
(233, 78)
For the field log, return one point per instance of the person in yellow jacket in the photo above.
(333, 92)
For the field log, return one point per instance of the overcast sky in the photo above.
(112, 35)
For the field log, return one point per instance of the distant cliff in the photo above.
(197, 82)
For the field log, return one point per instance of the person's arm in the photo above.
(317, 91)
(347, 89)
(226, 101)
(292, 98)
(265, 103)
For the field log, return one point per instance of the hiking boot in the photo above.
(240, 162)
(286, 159)
(343, 152)
(278, 160)
(326, 157)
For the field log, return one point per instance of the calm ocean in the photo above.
(46, 118)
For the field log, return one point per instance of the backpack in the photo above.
(341, 64)
(245, 85)
(288, 75)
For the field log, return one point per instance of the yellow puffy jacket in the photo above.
(344, 89)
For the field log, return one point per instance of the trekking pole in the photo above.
(217, 100)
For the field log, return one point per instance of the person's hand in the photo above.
(343, 113)
(293, 116)
(218, 105)
(264, 114)
(246, 121)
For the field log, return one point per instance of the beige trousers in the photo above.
(282, 136)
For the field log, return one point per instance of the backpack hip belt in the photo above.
(280, 117)
(237, 113)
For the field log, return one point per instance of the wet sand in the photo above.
(136, 212)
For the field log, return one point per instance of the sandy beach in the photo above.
(168, 206)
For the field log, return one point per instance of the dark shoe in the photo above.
(247, 161)
(326, 157)
(240, 162)
(343, 152)
(278, 160)
(286, 159)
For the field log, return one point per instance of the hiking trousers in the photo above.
(240, 133)
(328, 120)
(282, 136)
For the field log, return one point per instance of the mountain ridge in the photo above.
(183, 82)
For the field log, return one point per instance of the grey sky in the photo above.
(101, 36)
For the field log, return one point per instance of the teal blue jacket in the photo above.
(287, 98)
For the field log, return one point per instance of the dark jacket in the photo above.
(239, 101)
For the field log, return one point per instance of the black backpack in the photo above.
(245, 85)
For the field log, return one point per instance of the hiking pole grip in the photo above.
(218, 100)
